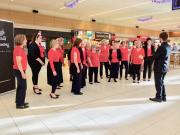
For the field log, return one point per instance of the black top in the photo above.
(34, 53)
(118, 54)
(161, 58)
(146, 50)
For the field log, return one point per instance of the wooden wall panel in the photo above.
(58, 22)
(174, 34)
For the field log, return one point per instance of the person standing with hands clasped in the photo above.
(20, 66)
(137, 57)
(53, 70)
(36, 60)
(161, 66)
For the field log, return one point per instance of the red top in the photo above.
(94, 57)
(84, 56)
(41, 48)
(149, 52)
(137, 55)
(61, 53)
(124, 53)
(114, 57)
(18, 51)
(75, 50)
(104, 53)
(53, 56)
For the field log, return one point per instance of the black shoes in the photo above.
(96, 82)
(54, 97)
(37, 92)
(156, 100)
(90, 83)
(26, 105)
(115, 80)
(80, 93)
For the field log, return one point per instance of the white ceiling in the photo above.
(118, 12)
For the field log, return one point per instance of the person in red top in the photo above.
(20, 66)
(114, 60)
(93, 60)
(137, 58)
(53, 68)
(103, 57)
(148, 59)
(125, 59)
(61, 60)
(76, 67)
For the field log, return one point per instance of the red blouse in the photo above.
(75, 50)
(114, 57)
(149, 52)
(104, 54)
(42, 50)
(61, 53)
(137, 55)
(18, 51)
(84, 55)
(124, 53)
(94, 57)
(53, 56)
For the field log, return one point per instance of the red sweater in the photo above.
(61, 53)
(53, 56)
(124, 53)
(137, 56)
(18, 51)
(84, 56)
(94, 57)
(114, 57)
(75, 50)
(104, 53)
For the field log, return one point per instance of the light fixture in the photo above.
(161, 1)
(71, 3)
(144, 19)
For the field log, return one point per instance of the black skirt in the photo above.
(60, 79)
(53, 80)
(114, 70)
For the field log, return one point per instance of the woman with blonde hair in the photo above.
(53, 68)
(20, 66)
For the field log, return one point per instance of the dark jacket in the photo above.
(119, 57)
(33, 54)
(161, 58)
(146, 50)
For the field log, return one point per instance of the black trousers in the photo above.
(84, 76)
(60, 79)
(114, 70)
(21, 88)
(77, 79)
(147, 67)
(159, 85)
(93, 70)
(125, 64)
(106, 65)
(35, 68)
(136, 71)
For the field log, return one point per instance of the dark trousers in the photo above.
(114, 70)
(35, 68)
(84, 76)
(21, 88)
(136, 71)
(77, 80)
(147, 67)
(125, 64)
(159, 84)
(93, 70)
(106, 65)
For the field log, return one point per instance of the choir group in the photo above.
(85, 61)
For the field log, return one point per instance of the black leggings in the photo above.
(124, 63)
(21, 88)
(106, 65)
(136, 71)
(147, 67)
(35, 73)
(93, 70)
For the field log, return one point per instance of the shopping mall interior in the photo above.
(120, 107)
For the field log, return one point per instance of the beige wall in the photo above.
(58, 22)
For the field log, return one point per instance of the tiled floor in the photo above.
(105, 109)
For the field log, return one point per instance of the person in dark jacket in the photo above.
(36, 59)
(149, 51)
(114, 60)
(161, 66)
